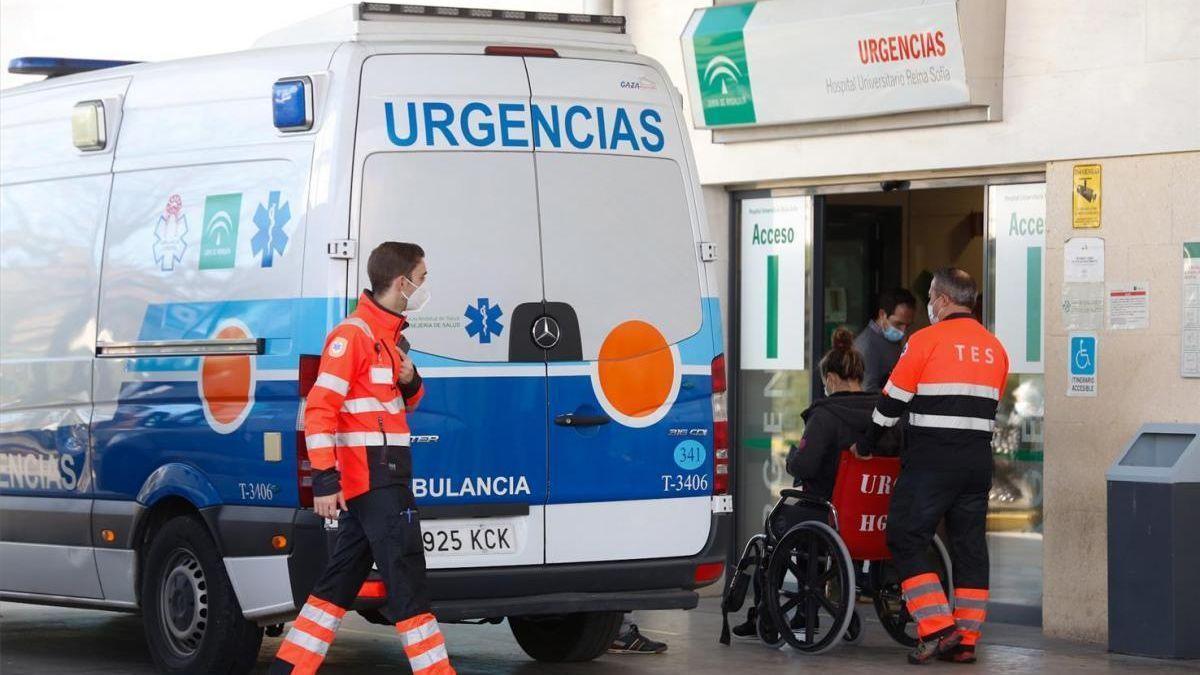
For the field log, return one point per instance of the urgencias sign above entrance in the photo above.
(779, 62)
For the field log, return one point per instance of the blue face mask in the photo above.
(892, 334)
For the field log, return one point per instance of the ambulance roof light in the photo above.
(55, 66)
(615, 24)
(292, 104)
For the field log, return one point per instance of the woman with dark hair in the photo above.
(831, 425)
(835, 422)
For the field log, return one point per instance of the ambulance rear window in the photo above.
(618, 244)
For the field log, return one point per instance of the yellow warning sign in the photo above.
(1085, 196)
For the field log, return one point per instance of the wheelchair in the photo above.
(817, 558)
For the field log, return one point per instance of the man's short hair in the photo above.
(955, 284)
(894, 297)
(391, 260)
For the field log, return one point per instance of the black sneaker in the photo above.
(633, 642)
(936, 645)
(748, 629)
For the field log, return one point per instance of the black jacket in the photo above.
(832, 425)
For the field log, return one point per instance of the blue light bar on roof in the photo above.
(292, 104)
(53, 66)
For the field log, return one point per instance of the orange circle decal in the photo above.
(637, 373)
(227, 383)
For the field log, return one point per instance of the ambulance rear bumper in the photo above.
(495, 592)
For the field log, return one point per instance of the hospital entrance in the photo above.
(811, 259)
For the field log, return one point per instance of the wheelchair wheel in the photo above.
(854, 633)
(889, 599)
(810, 587)
(767, 632)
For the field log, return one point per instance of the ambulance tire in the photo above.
(192, 619)
(581, 636)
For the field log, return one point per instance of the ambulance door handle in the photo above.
(573, 420)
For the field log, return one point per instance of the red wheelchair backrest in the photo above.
(861, 494)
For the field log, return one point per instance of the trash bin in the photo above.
(1154, 544)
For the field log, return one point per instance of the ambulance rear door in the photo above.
(630, 457)
(479, 436)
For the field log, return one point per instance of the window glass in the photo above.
(618, 244)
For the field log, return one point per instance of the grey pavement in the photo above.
(68, 641)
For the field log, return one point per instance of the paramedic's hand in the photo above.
(861, 453)
(329, 505)
(406, 369)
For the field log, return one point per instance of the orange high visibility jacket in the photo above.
(355, 416)
(949, 380)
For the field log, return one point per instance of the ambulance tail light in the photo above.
(708, 572)
(309, 367)
(502, 50)
(372, 589)
(720, 428)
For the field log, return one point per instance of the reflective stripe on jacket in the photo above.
(355, 416)
(949, 381)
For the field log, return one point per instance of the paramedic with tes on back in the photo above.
(357, 432)
(949, 380)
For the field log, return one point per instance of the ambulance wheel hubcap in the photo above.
(183, 603)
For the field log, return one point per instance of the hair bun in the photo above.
(843, 339)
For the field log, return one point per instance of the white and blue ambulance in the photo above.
(177, 239)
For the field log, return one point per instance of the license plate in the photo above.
(469, 537)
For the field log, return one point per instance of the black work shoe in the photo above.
(632, 642)
(960, 654)
(748, 629)
(942, 642)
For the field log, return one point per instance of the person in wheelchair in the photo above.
(831, 425)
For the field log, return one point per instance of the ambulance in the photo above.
(179, 237)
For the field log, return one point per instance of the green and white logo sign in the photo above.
(1017, 217)
(821, 60)
(721, 65)
(774, 237)
(218, 242)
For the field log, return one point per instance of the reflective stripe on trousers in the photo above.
(424, 645)
(306, 643)
(927, 604)
(970, 611)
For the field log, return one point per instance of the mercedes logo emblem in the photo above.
(546, 332)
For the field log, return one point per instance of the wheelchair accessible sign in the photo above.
(1081, 356)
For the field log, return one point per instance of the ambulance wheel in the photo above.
(889, 600)
(192, 619)
(581, 636)
(810, 587)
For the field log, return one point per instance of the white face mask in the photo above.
(418, 298)
(932, 314)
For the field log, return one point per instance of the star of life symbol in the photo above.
(169, 235)
(484, 320)
(270, 219)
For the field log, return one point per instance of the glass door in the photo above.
(772, 326)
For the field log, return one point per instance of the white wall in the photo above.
(1082, 79)
(150, 30)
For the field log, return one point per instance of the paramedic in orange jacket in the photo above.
(948, 381)
(356, 428)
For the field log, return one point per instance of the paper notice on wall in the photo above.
(1190, 328)
(1085, 196)
(773, 244)
(1083, 306)
(1083, 260)
(1129, 305)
